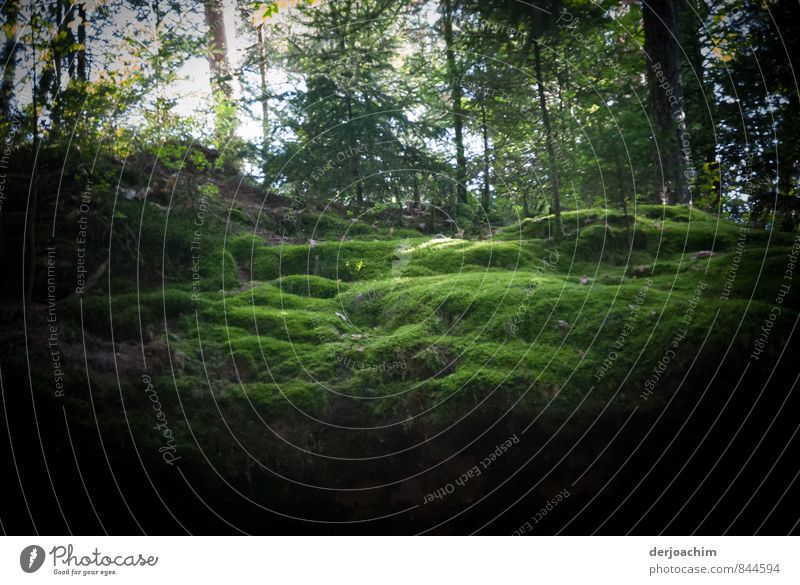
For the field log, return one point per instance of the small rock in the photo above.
(563, 325)
(703, 254)
(585, 280)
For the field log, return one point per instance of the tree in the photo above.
(348, 118)
(665, 95)
(82, 70)
(456, 96)
(219, 66)
(548, 131)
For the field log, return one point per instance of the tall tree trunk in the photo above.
(57, 52)
(83, 70)
(665, 90)
(33, 197)
(71, 41)
(486, 199)
(262, 69)
(218, 63)
(456, 94)
(551, 155)
(621, 191)
(354, 160)
(10, 12)
(525, 208)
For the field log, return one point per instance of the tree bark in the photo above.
(551, 155)
(354, 160)
(665, 91)
(83, 69)
(456, 94)
(217, 46)
(486, 199)
(72, 58)
(33, 197)
(218, 61)
(525, 208)
(262, 69)
(621, 192)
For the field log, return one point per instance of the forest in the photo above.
(399, 266)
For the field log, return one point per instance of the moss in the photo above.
(310, 286)
(329, 226)
(243, 245)
(448, 321)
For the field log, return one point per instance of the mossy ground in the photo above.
(392, 329)
(360, 347)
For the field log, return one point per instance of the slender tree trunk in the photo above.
(72, 58)
(10, 12)
(665, 90)
(83, 69)
(551, 155)
(486, 187)
(621, 191)
(57, 52)
(355, 163)
(217, 46)
(525, 208)
(456, 94)
(218, 63)
(262, 69)
(33, 198)
(354, 160)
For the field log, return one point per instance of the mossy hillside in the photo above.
(363, 261)
(151, 245)
(415, 324)
(470, 355)
(607, 235)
